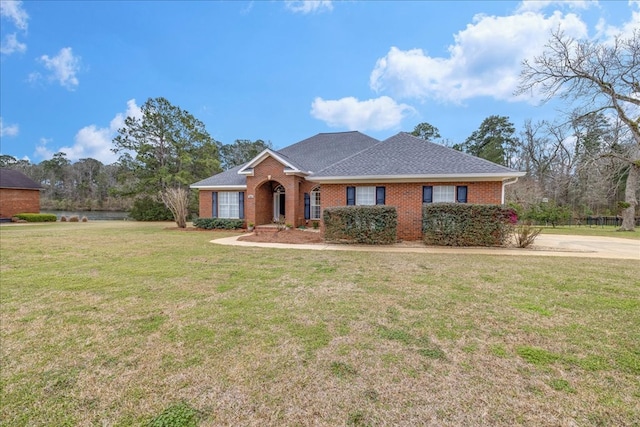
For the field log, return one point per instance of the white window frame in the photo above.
(229, 204)
(314, 199)
(444, 194)
(365, 196)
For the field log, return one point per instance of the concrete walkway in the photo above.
(545, 245)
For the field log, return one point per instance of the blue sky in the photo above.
(281, 71)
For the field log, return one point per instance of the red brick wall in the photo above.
(204, 200)
(18, 201)
(258, 198)
(407, 198)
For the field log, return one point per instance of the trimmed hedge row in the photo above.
(462, 224)
(371, 225)
(218, 223)
(36, 217)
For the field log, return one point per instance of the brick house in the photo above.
(18, 193)
(350, 168)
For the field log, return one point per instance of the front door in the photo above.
(278, 203)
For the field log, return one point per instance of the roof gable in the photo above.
(247, 169)
(10, 178)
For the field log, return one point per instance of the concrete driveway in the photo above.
(595, 247)
(545, 245)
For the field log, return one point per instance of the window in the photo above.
(315, 203)
(230, 204)
(444, 194)
(365, 196)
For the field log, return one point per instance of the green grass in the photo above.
(586, 230)
(124, 323)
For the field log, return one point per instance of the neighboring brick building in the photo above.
(18, 194)
(350, 168)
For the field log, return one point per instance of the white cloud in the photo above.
(484, 61)
(374, 114)
(537, 5)
(8, 130)
(308, 6)
(63, 67)
(14, 11)
(93, 141)
(10, 44)
(609, 32)
(41, 149)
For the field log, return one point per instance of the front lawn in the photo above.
(124, 323)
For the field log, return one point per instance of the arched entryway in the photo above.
(269, 202)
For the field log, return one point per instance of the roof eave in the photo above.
(22, 188)
(416, 178)
(218, 187)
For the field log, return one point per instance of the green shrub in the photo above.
(149, 209)
(36, 217)
(218, 223)
(462, 224)
(372, 225)
(548, 213)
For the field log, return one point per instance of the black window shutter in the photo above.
(351, 196)
(427, 194)
(214, 204)
(307, 206)
(241, 204)
(461, 194)
(380, 193)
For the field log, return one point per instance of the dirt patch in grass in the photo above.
(285, 236)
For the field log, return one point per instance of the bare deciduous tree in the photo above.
(176, 199)
(602, 77)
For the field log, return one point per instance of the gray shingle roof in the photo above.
(228, 177)
(407, 155)
(324, 149)
(308, 155)
(355, 155)
(10, 178)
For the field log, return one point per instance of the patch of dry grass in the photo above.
(112, 323)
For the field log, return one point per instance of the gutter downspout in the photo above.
(505, 183)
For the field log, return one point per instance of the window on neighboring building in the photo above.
(228, 204)
(315, 203)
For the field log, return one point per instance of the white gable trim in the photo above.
(248, 168)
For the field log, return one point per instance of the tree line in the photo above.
(166, 148)
(587, 161)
